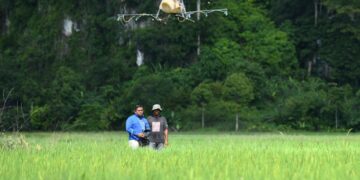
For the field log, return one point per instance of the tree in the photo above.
(64, 99)
(238, 88)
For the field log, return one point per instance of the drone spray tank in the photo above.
(170, 6)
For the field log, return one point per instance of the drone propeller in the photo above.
(176, 7)
(185, 16)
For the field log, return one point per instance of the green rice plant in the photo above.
(189, 156)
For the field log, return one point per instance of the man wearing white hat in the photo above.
(159, 128)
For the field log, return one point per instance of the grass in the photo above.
(189, 156)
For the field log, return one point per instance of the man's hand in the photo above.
(142, 135)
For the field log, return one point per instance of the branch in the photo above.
(4, 103)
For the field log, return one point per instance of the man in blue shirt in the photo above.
(138, 127)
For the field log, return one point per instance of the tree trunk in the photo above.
(327, 71)
(316, 4)
(198, 18)
(203, 117)
(309, 68)
(336, 117)
(237, 122)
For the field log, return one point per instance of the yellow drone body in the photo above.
(170, 6)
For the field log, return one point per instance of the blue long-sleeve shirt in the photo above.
(135, 125)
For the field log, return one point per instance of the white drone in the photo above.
(176, 7)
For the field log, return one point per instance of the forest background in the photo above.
(269, 65)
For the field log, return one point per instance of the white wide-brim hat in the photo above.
(156, 106)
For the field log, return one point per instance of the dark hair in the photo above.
(138, 106)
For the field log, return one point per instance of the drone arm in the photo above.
(206, 12)
(128, 17)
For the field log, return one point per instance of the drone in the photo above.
(176, 7)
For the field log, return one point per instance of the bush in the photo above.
(91, 117)
(39, 117)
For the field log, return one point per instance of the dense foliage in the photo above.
(285, 64)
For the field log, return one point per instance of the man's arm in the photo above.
(147, 128)
(166, 132)
(129, 129)
(166, 137)
(147, 125)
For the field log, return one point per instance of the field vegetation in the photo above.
(189, 156)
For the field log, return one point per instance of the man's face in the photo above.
(139, 111)
(156, 112)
